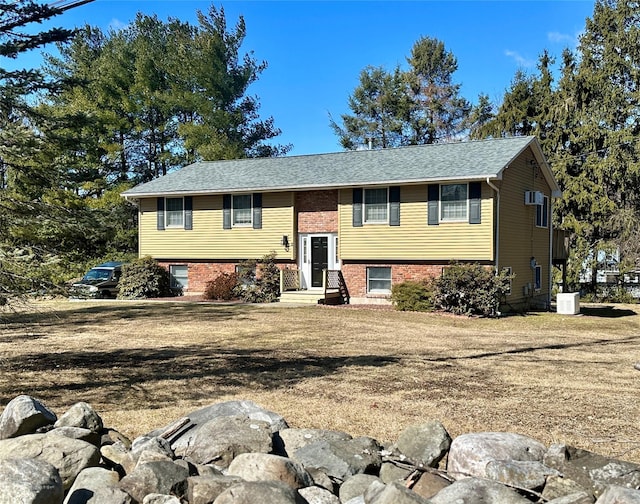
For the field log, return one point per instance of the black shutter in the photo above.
(188, 212)
(432, 204)
(257, 210)
(475, 202)
(226, 211)
(160, 213)
(357, 207)
(394, 206)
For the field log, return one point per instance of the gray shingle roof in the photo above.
(417, 164)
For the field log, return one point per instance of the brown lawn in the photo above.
(368, 372)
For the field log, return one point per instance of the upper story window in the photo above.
(453, 202)
(242, 209)
(376, 205)
(542, 213)
(174, 212)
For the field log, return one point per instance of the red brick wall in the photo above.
(317, 211)
(355, 275)
(202, 272)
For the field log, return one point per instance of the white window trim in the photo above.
(545, 216)
(233, 211)
(173, 276)
(379, 291)
(466, 218)
(537, 287)
(166, 213)
(364, 206)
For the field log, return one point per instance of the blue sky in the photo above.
(315, 50)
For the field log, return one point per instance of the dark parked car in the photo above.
(100, 281)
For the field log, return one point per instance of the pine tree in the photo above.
(419, 106)
(25, 266)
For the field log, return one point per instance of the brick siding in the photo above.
(317, 211)
(202, 272)
(355, 275)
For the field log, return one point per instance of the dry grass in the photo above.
(367, 372)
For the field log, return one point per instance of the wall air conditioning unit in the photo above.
(533, 198)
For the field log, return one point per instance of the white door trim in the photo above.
(304, 257)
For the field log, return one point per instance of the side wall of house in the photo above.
(520, 238)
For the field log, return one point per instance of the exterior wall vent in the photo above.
(533, 198)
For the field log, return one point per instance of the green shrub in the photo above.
(263, 288)
(471, 289)
(222, 288)
(413, 296)
(145, 278)
(611, 294)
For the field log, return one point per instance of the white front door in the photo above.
(317, 253)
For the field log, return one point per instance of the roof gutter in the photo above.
(497, 244)
(298, 188)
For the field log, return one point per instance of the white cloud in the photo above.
(563, 38)
(520, 60)
(116, 25)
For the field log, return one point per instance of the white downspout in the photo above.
(497, 244)
(550, 251)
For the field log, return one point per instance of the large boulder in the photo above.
(430, 484)
(77, 433)
(222, 439)
(592, 471)
(205, 489)
(477, 491)
(96, 485)
(68, 456)
(294, 439)
(154, 477)
(317, 495)
(425, 444)
(341, 459)
(356, 485)
(24, 415)
(393, 493)
(182, 432)
(470, 453)
(29, 481)
(615, 494)
(267, 467)
(81, 415)
(516, 473)
(263, 492)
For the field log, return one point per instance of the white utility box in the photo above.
(568, 303)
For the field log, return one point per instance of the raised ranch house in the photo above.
(352, 224)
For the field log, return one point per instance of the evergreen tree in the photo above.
(378, 104)
(25, 266)
(588, 125)
(437, 111)
(418, 106)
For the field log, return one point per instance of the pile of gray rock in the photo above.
(239, 453)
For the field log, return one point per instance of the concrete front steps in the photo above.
(310, 297)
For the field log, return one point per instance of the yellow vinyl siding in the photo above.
(414, 239)
(520, 239)
(208, 239)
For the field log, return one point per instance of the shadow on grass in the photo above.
(534, 348)
(93, 313)
(202, 368)
(606, 311)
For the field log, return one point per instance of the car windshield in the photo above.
(97, 274)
